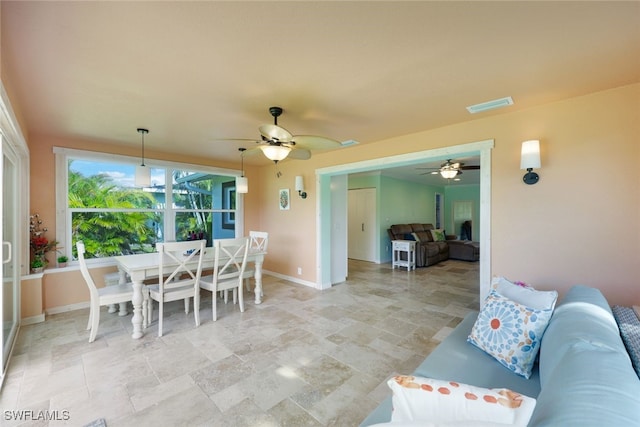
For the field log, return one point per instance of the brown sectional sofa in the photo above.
(429, 252)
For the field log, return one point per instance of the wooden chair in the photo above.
(100, 296)
(179, 282)
(230, 261)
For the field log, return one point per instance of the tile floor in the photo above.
(301, 358)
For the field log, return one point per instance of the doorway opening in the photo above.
(330, 218)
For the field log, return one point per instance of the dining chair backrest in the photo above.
(258, 241)
(230, 258)
(93, 290)
(180, 263)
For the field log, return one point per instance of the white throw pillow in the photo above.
(525, 294)
(437, 402)
(440, 424)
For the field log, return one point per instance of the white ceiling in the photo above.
(194, 73)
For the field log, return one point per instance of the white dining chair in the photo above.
(230, 261)
(116, 294)
(179, 271)
(258, 242)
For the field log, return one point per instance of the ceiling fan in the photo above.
(450, 169)
(277, 143)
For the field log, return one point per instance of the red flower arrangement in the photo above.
(40, 245)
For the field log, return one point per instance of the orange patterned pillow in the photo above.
(441, 402)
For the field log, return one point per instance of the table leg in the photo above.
(123, 305)
(258, 277)
(136, 320)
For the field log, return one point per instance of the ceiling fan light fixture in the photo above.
(448, 173)
(275, 152)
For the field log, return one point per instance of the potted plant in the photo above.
(62, 260)
(37, 265)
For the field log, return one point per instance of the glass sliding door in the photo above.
(9, 297)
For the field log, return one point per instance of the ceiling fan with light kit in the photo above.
(450, 169)
(277, 143)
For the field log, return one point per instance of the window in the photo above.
(98, 202)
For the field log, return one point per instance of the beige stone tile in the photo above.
(143, 397)
(188, 408)
(269, 387)
(43, 387)
(83, 407)
(301, 358)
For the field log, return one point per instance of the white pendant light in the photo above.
(143, 173)
(275, 152)
(242, 183)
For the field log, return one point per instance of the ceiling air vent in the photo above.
(349, 142)
(490, 105)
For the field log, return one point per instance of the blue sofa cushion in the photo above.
(457, 360)
(585, 372)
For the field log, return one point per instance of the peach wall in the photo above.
(67, 286)
(579, 224)
(31, 297)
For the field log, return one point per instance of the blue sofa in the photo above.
(584, 376)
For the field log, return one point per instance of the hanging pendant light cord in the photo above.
(242, 150)
(143, 132)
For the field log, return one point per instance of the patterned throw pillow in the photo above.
(510, 332)
(438, 235)
(437, 402)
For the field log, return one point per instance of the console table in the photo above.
(404, 246)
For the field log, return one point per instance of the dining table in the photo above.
(141, 267)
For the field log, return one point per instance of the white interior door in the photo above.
(9, 297)
(362, 224)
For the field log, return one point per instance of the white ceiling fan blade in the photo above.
(236, 139)
(313, 142)
(300, 154)
(251, 151)
(276, 133)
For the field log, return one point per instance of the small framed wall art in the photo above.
(283, 199)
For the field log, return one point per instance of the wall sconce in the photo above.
(529, 160)
(143, 173)
(300, 187)
(242, 183)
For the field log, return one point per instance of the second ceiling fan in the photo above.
(450, 169)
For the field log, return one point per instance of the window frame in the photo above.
(63, 213)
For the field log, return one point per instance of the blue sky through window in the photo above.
(122, 174)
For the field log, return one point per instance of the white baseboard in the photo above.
(66, 308)
(291, 279)
(32, 320)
